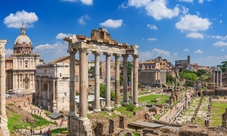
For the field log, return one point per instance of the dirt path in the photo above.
(31, 108)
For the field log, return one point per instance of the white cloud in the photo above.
(222, 49)
(62, 36)
(161, 52)
(158, 10)
(151, 39)
(193, 23)
(220, 21)
(186, 1)
(153, 54)
(69, 0)
(56, 50)
(186, 49)
(15, 20)
(220, 43)
(8, 52)
(195, 35)
(200, 1)
(81, 20)
(185, 10)
(218, 37)
(138, 3)
(175, 54)
(153, 27)
(112, 23)
(198, 51)
(123, 5)
(87, 2)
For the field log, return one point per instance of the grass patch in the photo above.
(40, 121)
(217, 109)
(136, 134)
(59, 131)
(154, 99)
(14, 122)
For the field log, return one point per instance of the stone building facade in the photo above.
(153, 72)
(21, 65)
(52, 84)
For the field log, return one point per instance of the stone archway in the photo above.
(26, 82)
(44, 95)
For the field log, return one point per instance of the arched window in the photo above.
(26, 63)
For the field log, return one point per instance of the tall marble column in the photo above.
(117, 81)
(108, 99)
(54, 97)
(72, 102)
(97, 82)
(3, 117)
(135, 79)
(36, 91)
(40, 91)
(83, 84)
(125, 79)
(214, 78)
(221, 78)
(217, 78)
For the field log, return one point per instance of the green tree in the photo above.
(169, 79)
(223, 66)
(92, 68)
(129, 70)
(200, 72)
(103, 92)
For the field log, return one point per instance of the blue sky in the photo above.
(171, 29)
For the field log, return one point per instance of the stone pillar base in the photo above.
(97, 110)
(3, 125)
(117, 105)
(80, 127)
(125, 103)
(108, 108)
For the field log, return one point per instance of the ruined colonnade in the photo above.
(97, 46)
(217, 77)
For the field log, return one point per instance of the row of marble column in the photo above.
(217, 78)
(39, 89)
(83, 67)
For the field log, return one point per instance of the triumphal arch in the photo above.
(100, 42)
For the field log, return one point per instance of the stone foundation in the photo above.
(79, 127)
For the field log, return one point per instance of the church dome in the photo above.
(22, 43)
(22, 39)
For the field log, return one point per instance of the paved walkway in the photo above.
(170, 114)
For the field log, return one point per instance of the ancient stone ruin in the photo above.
(100, 42)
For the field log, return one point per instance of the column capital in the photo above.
(125, 55)
(71, 51)
(135, 55)
(84, 50)
(96, 53)
(117, 55)
(107, 53)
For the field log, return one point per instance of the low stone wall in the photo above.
(21, 100)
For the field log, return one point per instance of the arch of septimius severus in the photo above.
(3, 118)
(100, 42)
